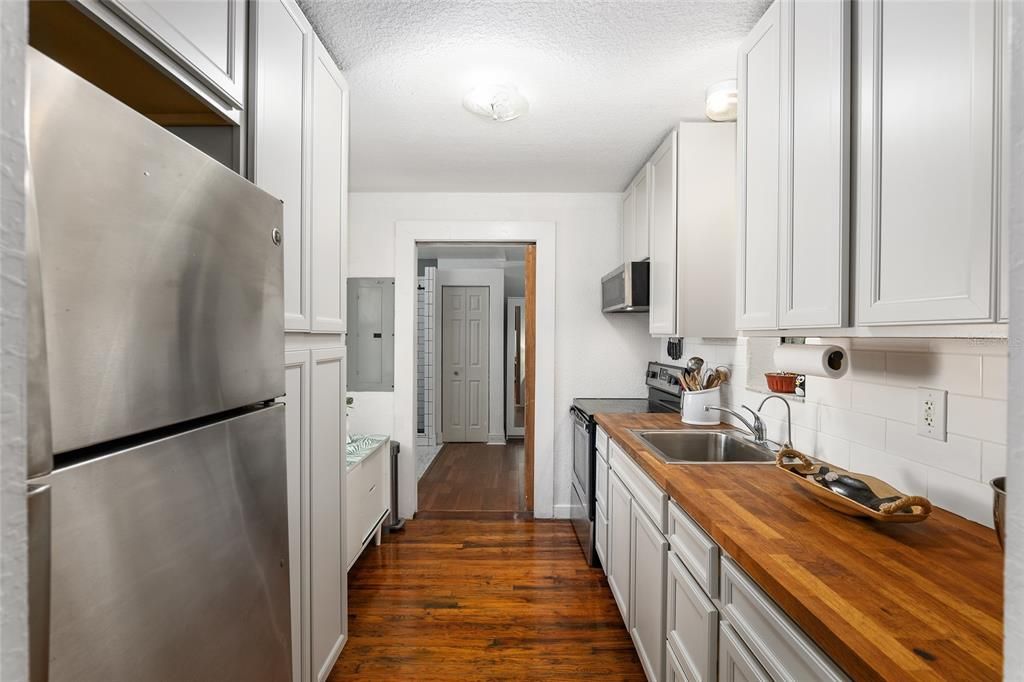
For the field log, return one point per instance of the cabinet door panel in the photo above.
(326, 502)
(641, 211)
(296, 399)
(760, 183)
(735, 662)
(618, 547)
(206, 37)
(327, 189)
(663, 173)
(925, 187)
(814, 253)
(647, 593)
(692, 624)
(601, 537)
(628, 224)
(280, 131)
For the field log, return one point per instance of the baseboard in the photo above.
(496, 439)
(561, 511)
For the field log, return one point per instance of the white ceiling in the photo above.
(605, 80)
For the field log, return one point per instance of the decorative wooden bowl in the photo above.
(895, 508)
(781, 382)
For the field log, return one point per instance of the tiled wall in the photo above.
(866, 421)
(426, 433)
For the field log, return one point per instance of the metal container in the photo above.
(999, 508)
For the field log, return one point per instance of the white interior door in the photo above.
(465, 335)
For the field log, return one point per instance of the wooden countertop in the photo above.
(885, 601)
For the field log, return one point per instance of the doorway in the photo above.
(478, 461)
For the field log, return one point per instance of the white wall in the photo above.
(595, 354)
(494, 279)
(13, 520)
(866, 421)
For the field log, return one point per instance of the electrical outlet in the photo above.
(931, 413)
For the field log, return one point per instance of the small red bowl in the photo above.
(781, 382)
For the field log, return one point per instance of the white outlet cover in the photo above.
(931, 413)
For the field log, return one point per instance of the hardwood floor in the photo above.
(482, 600)
(474, 477)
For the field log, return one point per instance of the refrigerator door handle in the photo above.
(39, 582)
(40, 440)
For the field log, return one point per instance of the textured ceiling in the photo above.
(605, 80)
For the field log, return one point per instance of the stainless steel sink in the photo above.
(704, 447)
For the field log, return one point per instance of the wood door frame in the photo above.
(409, 233)
(530, 418)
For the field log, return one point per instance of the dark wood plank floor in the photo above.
(474, 477)
(482, 600)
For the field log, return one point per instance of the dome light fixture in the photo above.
(720, 101)
(498, 102)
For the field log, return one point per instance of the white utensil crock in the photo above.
(694, 403)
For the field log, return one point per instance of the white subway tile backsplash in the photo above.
(891, 402)
(828, 392)
(867, 365)
(853, 426)
(833, 450)
(908, 477)
(979, 418)
(956, 373)
(993, 461)
(866, 422)
(958, 455)
(995, 372)
(962, 496)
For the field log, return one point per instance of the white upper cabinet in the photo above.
(1004, 162)
(926, 138)
(760, 183)
(280, 127)
(328, 193)
(208, 38)
(814, 235)
(662, 179)
(693, 231)
(636, 217)
(628, 224)
(300, 155)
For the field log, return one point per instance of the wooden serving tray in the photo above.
(905, 509)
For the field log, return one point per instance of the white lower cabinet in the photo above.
(315, 431)
(619, 546)
(691, 611)
(691, 624)
(647, 593)
(735, 662)
(673, 671)
(601, 537)
(368, 500)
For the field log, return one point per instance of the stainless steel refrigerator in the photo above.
(157, 503)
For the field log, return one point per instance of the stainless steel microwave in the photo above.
(627, 288)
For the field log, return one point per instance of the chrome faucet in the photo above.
(756, 428)
(789, 418)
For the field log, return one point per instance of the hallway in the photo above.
(487, 480)
(473, 600)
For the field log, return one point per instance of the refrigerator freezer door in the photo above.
(170, 559)
(161, 269)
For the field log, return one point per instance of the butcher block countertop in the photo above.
(885, 601)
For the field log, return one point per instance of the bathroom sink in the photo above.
(704, 447)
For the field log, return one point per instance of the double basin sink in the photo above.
(704, 447)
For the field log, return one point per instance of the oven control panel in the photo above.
(664, 377)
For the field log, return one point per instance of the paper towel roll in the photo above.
(816, 361)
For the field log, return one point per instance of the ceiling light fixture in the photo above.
(496, 102)
(720, 101)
